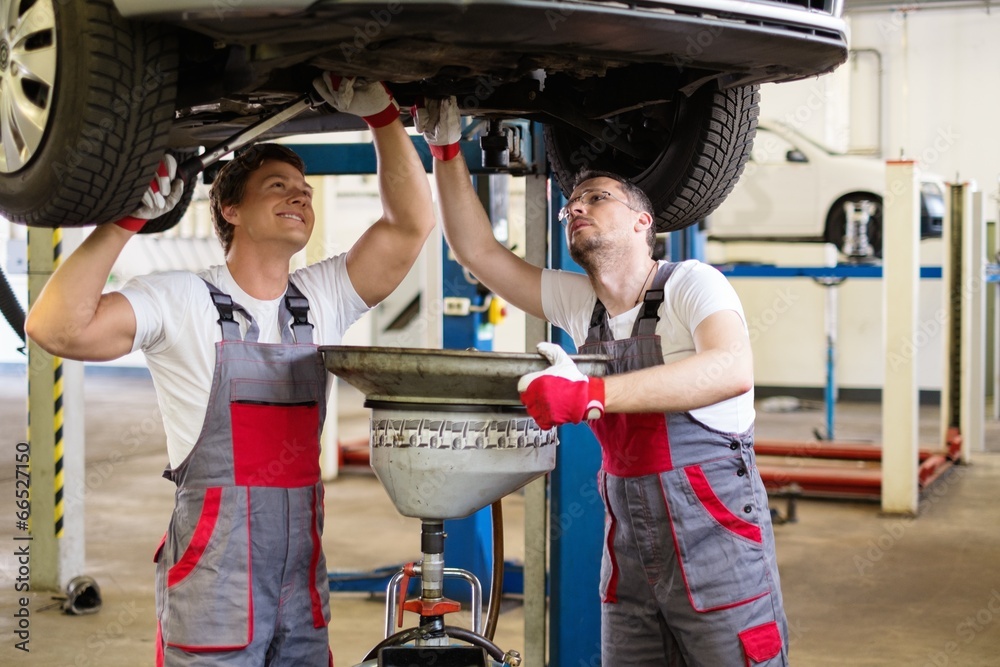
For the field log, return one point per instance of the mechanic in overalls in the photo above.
(688, 575)
(241, 577)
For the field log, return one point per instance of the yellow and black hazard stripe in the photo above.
(57, 407)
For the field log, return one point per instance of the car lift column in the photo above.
(55, 435)
(900, 397)
(963, 407)
(972, 420)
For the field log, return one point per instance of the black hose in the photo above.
(462, 634)
(397, 639)
(496, 585)
(11, 307)
(471, 637)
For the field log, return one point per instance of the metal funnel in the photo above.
(449, 435)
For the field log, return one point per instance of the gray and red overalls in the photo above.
(240, 576)
(688, 576)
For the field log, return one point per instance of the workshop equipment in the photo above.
(448, 437)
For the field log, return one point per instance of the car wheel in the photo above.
(836, 222)
(699, 146)
(86, 103)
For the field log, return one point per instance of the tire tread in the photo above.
(98, 164)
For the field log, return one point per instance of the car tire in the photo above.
(836, 222)
(102, 119)
(695, 166)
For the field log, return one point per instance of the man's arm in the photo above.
(383, 255)
(466, 224)
(470, 236)
(721, 368)
(71, 317)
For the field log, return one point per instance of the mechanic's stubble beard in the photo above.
(595, 253)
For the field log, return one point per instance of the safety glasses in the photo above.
(588, 198)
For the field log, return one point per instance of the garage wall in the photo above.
(939, 88)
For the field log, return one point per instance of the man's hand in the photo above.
(370, 100)
(160, 197)
(441, 124)
(561, 394)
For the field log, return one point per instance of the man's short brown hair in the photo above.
(230, 184)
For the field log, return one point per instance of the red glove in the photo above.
(440, 121)
(160, 197)
(561, 394)
(372, 101)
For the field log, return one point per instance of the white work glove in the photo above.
(441, 124)
(371, 100)
(561, 394)
(162, 195)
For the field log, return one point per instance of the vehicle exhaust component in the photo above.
(188, 170)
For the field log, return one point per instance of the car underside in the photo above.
(662, 92)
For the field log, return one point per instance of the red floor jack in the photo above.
(821, 468)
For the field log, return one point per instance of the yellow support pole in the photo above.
(56, 525)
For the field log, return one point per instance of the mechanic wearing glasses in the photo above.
(688, 575)
(241, 577)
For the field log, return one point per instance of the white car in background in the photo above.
(794, 189)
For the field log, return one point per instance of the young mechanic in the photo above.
(688, 574)
(241, 577)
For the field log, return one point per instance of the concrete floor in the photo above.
(860, 588)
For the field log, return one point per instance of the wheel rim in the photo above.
(27, 78)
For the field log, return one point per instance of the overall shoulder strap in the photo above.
(645, 324)
(226, 307)
(296, 311)
(598, 330)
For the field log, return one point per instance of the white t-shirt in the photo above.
(694, 291)
(177, 329)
